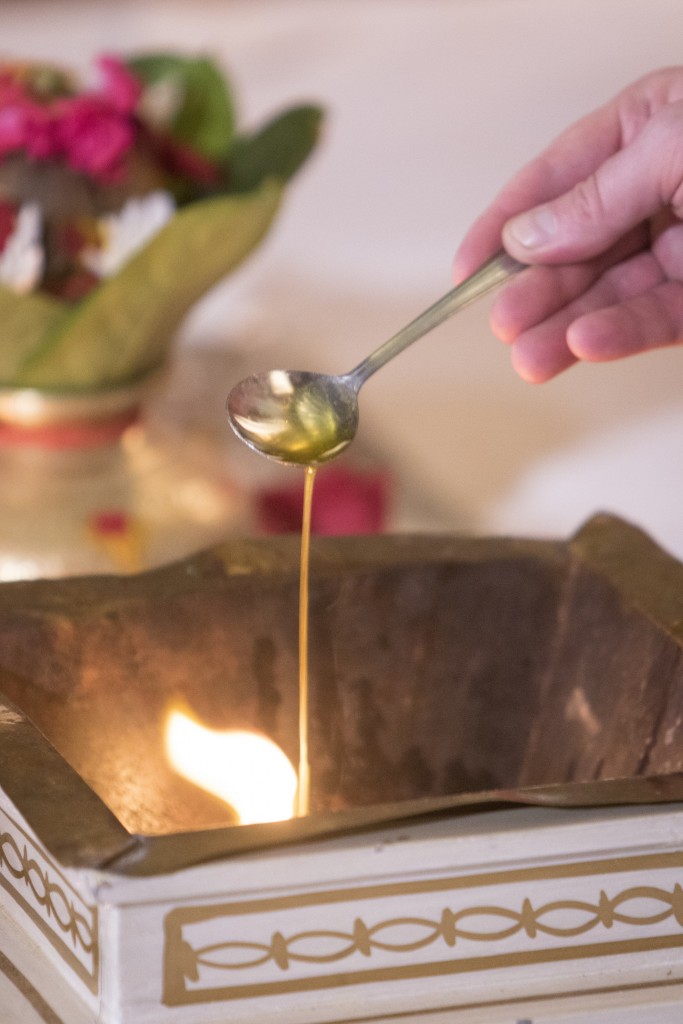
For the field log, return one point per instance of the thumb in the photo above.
(632, 185)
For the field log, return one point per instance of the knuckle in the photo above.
(665, 139)
(674, 190)
(587, 203)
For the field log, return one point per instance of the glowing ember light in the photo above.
(245, 769)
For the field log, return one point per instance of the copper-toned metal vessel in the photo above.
(452, 680)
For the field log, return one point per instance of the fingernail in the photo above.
(534, 229)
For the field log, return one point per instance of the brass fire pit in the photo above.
(453, 680)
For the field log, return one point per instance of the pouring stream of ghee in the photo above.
(303, 792)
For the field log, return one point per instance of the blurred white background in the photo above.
(431, 105)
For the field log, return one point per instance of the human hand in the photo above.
(599, 216)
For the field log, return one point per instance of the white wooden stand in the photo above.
(520, 916)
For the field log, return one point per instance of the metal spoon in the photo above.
(306, 418)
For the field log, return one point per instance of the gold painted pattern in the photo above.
(365, 939)
(36, 885)
(238, 958)
(28, 991)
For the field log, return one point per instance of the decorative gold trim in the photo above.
(365, 939)
(183, 962)
(30, 994)
(68, 927)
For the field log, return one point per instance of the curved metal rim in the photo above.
(34, 407)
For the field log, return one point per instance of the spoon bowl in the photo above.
(294, 416)
(305, 418)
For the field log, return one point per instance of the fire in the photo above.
(245, 769)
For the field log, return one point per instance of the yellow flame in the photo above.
(245, 769)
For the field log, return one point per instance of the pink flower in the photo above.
(94, 137)
(121, 89)
(345, 501)
(14, 129)
(45, 116)
(24, 124)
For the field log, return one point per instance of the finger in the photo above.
(648, 321)
(626, 189)
(550, 347)
(481, 242)
(667, 245)
(570, 158)
(542, 352)
(536, 295)
(543, 290)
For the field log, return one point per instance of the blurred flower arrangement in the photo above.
(121, 204)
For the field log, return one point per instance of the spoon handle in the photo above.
(492, 273)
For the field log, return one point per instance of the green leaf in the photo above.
(125, 326)
(277, 150)
(204, 117)
(25, 319)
